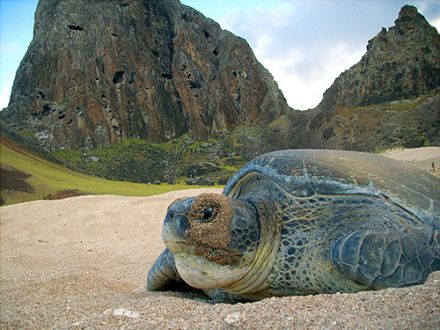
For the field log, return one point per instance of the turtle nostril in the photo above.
(169, 217)
(182, 225)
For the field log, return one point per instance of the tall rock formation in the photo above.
(390, 98)
(97, 72)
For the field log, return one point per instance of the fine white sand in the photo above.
(82, 262)
(422, 158)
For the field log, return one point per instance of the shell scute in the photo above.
(304, 173)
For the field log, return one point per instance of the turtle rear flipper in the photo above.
(389, 258)
(164, 276)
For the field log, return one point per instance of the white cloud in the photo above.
(303, 62)
(342, 57)
(304, 91)
(436, 23)
(262, 44)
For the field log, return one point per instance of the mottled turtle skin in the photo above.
(298, 222)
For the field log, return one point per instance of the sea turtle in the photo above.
(298, 222)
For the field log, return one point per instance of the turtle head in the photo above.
(213, 238)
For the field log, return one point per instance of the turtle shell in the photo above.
(304, 173)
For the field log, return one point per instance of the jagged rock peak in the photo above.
(390, 97)
(408, 12)
(401, 62)
(97, 72)
(409, 15)
(411, 20)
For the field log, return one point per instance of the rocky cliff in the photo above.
(390, 98)
(97, 72)
(401, 62)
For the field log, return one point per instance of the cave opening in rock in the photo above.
(118, 77)
(166, 76)
(75, 27)
(46, 110)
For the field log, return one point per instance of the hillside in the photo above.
(26, 177)
(391, 97)
(412, 122)
(112, 125)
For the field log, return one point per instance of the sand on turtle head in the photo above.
(212, 238)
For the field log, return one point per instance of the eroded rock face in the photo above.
(390, 98)
(97, 72)
(401, 62)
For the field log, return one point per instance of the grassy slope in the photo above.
(137, 160)
(47, 177)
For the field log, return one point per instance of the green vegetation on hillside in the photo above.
(133, 167)
(182, 159)
(46, 178)
(401, 105)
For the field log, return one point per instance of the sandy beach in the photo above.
(81, 262)
(422, 158)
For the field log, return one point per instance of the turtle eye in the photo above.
(206, 214)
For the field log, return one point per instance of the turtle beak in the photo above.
(176, 222)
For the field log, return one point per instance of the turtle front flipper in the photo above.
(389, 258)
(163, 275)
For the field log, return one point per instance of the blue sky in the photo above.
(305, 44)
(16, 27)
